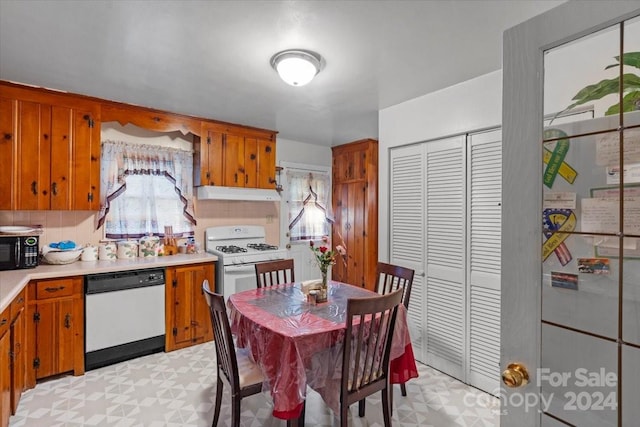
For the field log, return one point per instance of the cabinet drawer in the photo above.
(53, 289)
(18, 303)
(5, 320)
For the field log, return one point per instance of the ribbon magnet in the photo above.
(557, 223)
(554, 160)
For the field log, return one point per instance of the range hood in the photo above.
(214, 192)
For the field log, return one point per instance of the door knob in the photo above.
(516, 375)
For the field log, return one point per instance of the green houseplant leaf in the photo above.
(630, 102)
(630, 86)
(631, 58)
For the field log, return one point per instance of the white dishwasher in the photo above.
(124, 316)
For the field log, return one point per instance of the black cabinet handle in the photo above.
(54, 189)
(34, 188)
(67, 321)
(54, 289)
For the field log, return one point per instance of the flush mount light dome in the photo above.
(295, 66)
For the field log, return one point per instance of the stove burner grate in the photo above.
(230, 249)
(261, 246)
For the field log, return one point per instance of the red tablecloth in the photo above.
(298, 344)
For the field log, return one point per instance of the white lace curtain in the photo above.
(309, 210)
(159, 185)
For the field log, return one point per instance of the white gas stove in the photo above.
(238, 249)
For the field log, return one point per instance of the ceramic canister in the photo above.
(89, 253)
(127, 250)
(107, 251)
(149, 246)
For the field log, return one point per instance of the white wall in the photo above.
(469, 106)
(301, 152)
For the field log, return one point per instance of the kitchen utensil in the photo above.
(57, 256)
(16, 229)
(170, 245)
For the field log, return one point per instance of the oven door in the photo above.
(238, 278)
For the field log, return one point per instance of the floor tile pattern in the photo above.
(177, 390)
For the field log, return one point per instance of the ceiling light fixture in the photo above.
(296, 67)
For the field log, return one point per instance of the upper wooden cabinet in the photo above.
(355, 206)
(50, 144)
(235, 157)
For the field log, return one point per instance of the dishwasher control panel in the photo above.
(110, 282)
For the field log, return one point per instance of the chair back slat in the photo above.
(392, 277)
(367, 345)
(271, 273)
(225, 349)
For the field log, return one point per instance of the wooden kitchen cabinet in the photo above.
(235, 157)
(11, 357)
(355, 206)
(17, 332)
(5, 368)
(187, 314)
(50, 144)
(55, 328)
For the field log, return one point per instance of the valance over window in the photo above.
(158, 182)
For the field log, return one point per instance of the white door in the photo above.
(445, 240)
(445, 224)
(484, 184)
(574, 331)
(304, 263)
(406, 226)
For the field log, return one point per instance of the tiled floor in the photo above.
(177, 390)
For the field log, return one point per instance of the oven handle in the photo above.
(239, 268)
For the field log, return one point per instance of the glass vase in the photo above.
(322, 294)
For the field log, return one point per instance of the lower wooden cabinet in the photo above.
(55, 328)
(11, 357)
(187, 314)
(17, 333)
(5, 368)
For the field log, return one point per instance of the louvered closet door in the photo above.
(484, 207)
(445, 220)
(406, 226)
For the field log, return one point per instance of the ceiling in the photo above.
(211, 58)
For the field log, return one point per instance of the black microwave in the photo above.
(18, 252)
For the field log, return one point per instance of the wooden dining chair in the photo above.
(367, 349)
(392, 277)
(236, 369)
(271, 273)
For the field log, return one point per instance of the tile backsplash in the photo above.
(79, 226)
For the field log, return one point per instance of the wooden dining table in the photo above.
(297, 343)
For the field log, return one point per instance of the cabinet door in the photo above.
(5, 380)
(266, 164)
(34, 153)
(17, 360)
(180, 297)
(349, 210)
(55, 337)
(210, 157)
(61, 152)
(85, 183)
(234, 161)
(251, 162)
(187, 312)
(8, 149)
(201, 319)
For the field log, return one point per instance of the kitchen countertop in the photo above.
(13, 281)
